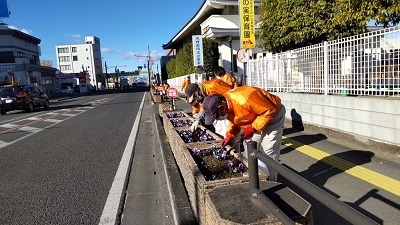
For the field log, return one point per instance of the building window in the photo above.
(63, 50)
(65, 67)
(73, 49)
(64, 58)
(7, 57)
(75, 58)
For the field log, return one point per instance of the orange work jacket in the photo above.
(185, 83)
(210, 87)
(229, 79)
(250, 105)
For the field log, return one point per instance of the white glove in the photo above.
(194, 125)
(199, 115)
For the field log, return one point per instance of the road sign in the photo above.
(172, 92)
(160, 88)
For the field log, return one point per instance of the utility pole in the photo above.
(148, 65)
(106, 79)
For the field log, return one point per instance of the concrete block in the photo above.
(233, 204)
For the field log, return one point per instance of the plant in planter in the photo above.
(190, 137)
(175, 115)
(215, 163)
(181, 122)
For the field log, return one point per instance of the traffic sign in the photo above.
(172, 92)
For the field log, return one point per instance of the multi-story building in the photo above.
(82, 58)
(19, 58)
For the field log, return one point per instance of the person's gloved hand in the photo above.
(199, 115)
(248, 132)
(195, 125)
(226, 140)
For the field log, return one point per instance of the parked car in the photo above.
(64, 91)
(67, 90)
(22, 97)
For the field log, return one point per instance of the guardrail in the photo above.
(345, 211)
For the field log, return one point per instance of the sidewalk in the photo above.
(155, 191)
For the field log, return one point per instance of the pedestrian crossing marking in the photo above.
(30, 129)
(52, 120)
(33, 118)
(9, 125)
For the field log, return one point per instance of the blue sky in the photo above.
(124, 27)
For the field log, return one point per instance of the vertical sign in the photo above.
(197, 50)
(247, 29)
(4, 9)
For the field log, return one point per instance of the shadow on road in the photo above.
(321, 171)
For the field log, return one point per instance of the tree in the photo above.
(210, 54)
(171, 68)
(47, 63)
(289, 24)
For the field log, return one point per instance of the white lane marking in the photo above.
(110, 211)
(3, 143)
(68, 114)
(9, 125)
(30, 129)
(52, 113)
(52, 120)
(33, 118)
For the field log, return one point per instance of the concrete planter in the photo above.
(207, 208)
(196, 185)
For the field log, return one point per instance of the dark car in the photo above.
(26, 97)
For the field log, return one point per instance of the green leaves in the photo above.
(290, 24)
(183, 63)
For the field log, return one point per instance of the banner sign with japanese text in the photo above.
(197, 50)
(247, 27)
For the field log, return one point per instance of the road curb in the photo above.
(180, 201)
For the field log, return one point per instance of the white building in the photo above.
(74, 59)
(19, 58)
(218, 19)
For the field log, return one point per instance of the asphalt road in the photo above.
(59, 166)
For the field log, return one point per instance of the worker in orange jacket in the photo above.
(220, 73)
(185, 83)
(195, 93)
(255, 113)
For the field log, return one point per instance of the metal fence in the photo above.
(365, 64)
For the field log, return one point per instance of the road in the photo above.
(75, 163)
(64, 165)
